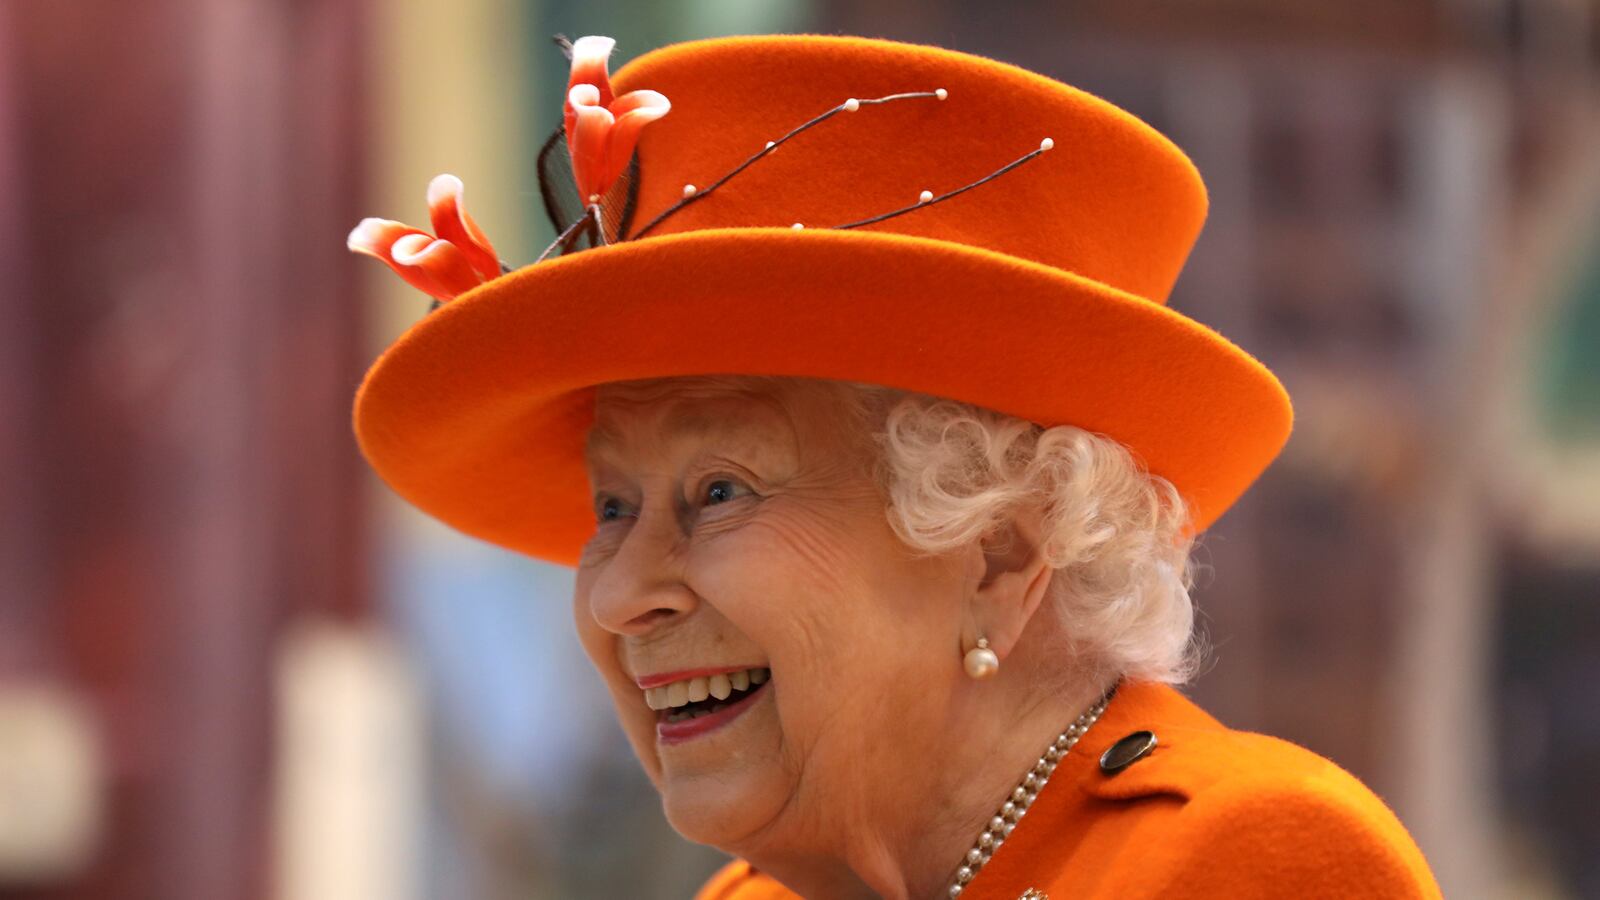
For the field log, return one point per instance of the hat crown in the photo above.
(1039, 293)
(1114, 200)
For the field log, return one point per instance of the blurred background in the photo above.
(232, 665)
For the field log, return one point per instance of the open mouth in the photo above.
(694, 706)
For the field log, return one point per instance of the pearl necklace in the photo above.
(1016, 805)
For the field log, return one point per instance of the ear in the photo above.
(1015, 578)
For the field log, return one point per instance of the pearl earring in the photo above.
(981, 662)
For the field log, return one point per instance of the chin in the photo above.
(723, 809)
(721, 788)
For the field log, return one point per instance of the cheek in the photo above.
(785, 579)
(836, 605)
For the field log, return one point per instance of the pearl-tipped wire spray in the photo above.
(591, 213)
(691, 193)
(850, 105)
(927, 198)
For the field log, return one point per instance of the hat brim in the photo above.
(479, 413)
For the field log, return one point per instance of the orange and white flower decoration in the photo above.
(456, 258)
(603, 130)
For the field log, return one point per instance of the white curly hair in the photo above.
(1114, 533)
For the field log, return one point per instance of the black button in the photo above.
(1127, 751)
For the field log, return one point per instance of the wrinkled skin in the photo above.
(742, 526)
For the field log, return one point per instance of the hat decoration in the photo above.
(455, 259)
(1042, 296)
(588, 181)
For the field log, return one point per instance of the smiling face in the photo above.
(740, 528)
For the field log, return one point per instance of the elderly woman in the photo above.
(880, 459)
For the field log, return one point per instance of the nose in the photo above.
(641, 588)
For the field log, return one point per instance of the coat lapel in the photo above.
(1076, 810)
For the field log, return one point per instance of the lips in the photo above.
(688, 727)
(694, 702)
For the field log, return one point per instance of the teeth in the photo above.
(693, 690)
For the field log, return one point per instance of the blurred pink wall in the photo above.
(179, 348)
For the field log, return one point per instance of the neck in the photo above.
(909, 832)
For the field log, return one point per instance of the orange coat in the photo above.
(1209, 812)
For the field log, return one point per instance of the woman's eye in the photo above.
(721, 490)
(608, 509)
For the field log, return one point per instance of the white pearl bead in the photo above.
(955, 890)
(941, 93)
(964, 874)
(974, 856)
(688, 190)
(925, 196)
(981, 663)
(1046, 144)
(852, 105)
(797, 226)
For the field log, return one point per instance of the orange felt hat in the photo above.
(1039, 293)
